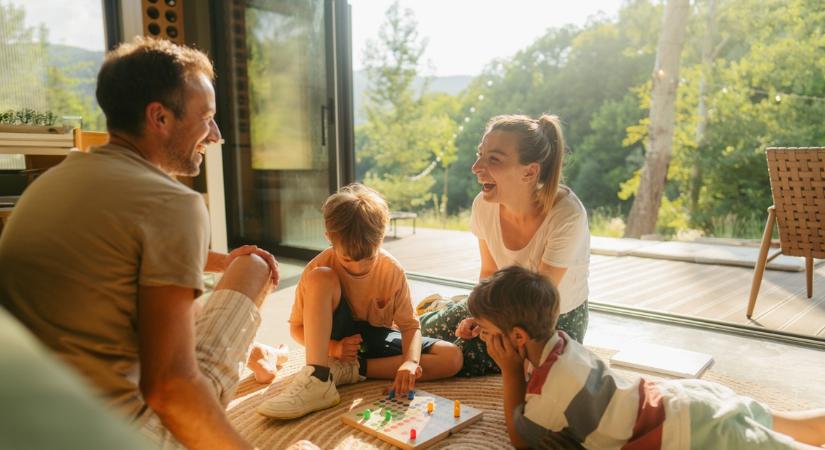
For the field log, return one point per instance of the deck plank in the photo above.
(700, 290)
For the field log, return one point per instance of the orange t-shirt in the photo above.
(380, 296)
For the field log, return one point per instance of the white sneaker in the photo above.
(304, 395)
(344, 372)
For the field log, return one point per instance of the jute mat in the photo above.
(325, 429)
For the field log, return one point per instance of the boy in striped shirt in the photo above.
(571, 399)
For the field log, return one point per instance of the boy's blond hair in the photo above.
(356, 218)
(517, 297)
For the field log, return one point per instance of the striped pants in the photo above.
(224, 331)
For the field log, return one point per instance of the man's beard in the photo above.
(182, 163)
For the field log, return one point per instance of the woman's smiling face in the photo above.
(497, 165)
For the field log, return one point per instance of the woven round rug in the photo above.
(325, 429)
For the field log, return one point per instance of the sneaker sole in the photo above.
(263, 412)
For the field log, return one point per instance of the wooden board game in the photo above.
(406, 415)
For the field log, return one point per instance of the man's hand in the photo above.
(347, 348)
(467, 329)
(265, 255)
(506, 356)
(405, 377)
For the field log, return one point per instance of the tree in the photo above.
(645, 210)
(407, 134)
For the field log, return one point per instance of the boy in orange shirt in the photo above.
(354, 315)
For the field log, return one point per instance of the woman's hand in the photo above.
(506, 356)
(347, 348)
(405, 377)
(467, 329)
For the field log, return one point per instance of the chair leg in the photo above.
(761, 261)
(809, 274)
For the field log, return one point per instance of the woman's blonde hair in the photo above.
(356, 218)
(540, 141)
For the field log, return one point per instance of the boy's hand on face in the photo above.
(506, 356)
(347, 348)
(467, 329)
(405, 377)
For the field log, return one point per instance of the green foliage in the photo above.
(27, 116)
(407, 134)
(43, 77)
(760, 82)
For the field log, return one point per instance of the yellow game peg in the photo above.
(429, 407)
(457, 409)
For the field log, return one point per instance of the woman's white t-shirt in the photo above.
(562, 240)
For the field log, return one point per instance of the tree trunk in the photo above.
(645, 210)
(706, 78)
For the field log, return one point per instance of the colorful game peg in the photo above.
(362, 349)
(457, 409)
(411, 395)
(429, 407)
(392, 394)
(412, 434)
(387, 416)
(367, 414)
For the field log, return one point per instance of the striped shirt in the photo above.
(574, 400)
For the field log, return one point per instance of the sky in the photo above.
(464, 35)
(78, 23)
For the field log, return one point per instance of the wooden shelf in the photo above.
(35, 143)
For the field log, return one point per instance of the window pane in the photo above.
(50, 53)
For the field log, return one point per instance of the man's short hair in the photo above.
(145, 71)
(356, 218)
(517, 297)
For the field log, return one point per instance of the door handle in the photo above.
(323, 125)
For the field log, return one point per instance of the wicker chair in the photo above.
(798, 185)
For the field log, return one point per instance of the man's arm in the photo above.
(170, 380)
(215, 262)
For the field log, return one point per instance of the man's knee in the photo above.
(247, 274)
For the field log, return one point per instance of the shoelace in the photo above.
(297, 385)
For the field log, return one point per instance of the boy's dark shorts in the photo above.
(378, 342)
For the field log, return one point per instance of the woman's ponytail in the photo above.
(551, 165)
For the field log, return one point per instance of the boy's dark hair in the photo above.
(145, 71)
(355, 218)
(517, 297)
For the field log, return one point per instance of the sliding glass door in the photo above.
(283, 152)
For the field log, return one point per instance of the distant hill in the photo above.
(449, 85)
(82, 65)
(77, 63)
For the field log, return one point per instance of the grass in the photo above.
(430, 219)
(611, 223)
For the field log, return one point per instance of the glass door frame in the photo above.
(338, 120)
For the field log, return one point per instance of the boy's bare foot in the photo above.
(264, 361)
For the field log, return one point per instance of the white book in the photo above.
(661, 359)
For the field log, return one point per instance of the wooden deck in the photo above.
(697, 290)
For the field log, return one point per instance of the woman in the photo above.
(522, 216)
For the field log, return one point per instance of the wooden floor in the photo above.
(699, 290)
